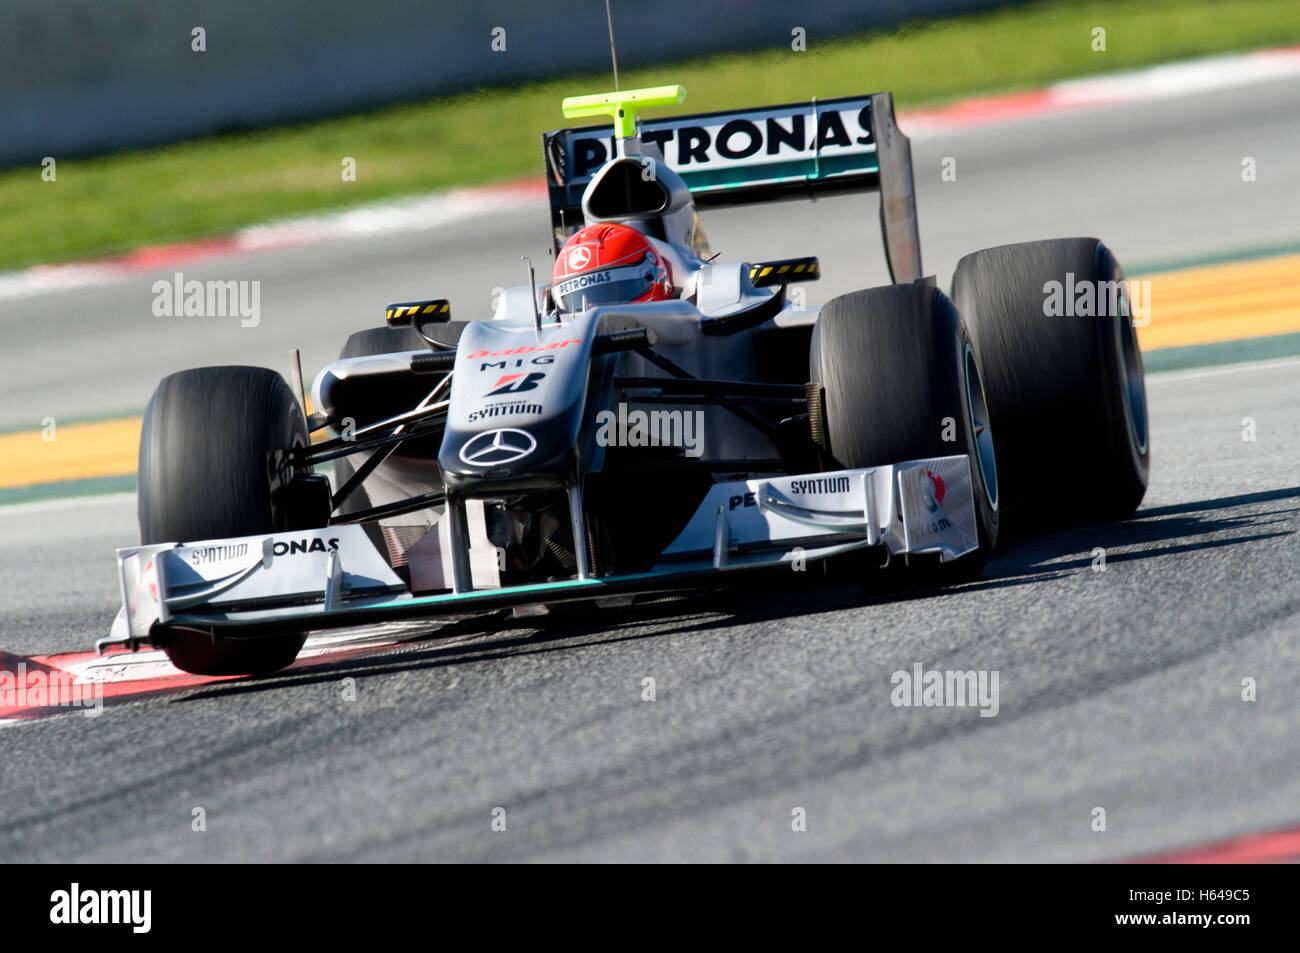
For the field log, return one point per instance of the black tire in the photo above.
(893, 363)
(1066, 393)
(204, 473)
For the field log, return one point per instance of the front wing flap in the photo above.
(922, 506)
(333, 577)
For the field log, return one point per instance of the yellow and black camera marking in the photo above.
(782, 272)
(437, 310)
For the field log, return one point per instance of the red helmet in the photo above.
(609, 264)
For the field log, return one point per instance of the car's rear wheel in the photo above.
(1065, 390)
(900, 381)
(205, 472)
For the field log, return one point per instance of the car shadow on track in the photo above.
(1023, 562)
(1190, 527)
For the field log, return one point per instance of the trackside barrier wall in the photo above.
(87, 76)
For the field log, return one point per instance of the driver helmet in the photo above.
(609, 264)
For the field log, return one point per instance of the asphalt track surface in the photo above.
(1118, 689)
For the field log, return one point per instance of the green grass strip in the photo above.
(108, 205)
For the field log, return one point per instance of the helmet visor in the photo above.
(604, 286)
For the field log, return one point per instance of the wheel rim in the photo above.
(1133, 383)
(980, 428)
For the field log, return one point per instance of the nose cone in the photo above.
(516, 405)
(536, 455)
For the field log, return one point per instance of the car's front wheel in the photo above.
(207, 470)
(899, 381)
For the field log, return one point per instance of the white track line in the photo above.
(1179, 79)
(1194, 372)
(66, 503)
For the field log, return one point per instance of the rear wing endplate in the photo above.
(759, 155)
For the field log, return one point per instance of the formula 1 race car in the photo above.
(583, 443)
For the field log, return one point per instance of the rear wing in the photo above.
(758, 155)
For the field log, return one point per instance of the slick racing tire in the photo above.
(897, 375)
(1064, 382)
(206, 440)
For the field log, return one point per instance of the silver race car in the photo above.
(586, 442)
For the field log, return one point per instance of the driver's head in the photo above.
(609, 264)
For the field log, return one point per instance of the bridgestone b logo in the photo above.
(515, 383)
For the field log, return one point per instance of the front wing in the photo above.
(334, 577)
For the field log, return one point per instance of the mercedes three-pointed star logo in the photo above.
(495, 447)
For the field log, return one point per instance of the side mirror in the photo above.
(784, 271)
(407, 313)
(419, 314)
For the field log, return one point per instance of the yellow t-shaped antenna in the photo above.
(622, 106)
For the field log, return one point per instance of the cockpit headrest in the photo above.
(625, 188)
